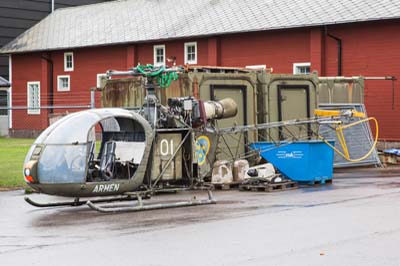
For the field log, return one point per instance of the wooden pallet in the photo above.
(228, 186)
(268, 187)
(317, 182)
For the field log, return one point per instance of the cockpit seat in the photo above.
(107, 162)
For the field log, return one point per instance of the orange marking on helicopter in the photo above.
(29, 179)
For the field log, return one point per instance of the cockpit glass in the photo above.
(67, 148)
(110, 124)
(48, 130)
(73, 130)
(63, 164)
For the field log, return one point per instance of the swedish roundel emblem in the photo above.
(202, 149)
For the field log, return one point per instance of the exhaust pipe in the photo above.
(226, 108)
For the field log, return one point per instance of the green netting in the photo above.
(164, 78)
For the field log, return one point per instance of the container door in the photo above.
(232, 147)
(166, 145)
(126, 93)
(293, 103)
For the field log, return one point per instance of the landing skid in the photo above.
(78, 202)
(141, 207)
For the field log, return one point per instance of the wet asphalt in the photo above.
(354, 221)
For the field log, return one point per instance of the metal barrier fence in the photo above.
(358, 138)
(24, 117)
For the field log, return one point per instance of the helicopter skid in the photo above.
(78, 202)
(142, 207)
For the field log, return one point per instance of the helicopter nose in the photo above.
(30, 172)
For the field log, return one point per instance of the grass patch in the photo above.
(12, 156)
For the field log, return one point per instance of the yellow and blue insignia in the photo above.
(202, 149)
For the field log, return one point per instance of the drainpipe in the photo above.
(52, 6)
(339, 47)
(51, 94)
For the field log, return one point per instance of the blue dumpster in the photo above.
(301, 161)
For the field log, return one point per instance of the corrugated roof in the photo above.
(127, 21)
(4, 83)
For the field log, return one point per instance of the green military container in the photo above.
(284, 97)
(242, 88)
(340, 90)
(124, 92)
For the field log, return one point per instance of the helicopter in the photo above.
(130, 154)
(116, 154)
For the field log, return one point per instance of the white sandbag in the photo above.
(240, 168)
(222, 173)
(262, 171)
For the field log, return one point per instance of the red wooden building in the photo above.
(57, 61)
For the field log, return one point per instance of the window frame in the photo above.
(257, 67)
(188, 44)
(155, 47)
(66, 68)
(58, 83)
(4, 112)
(32, 111)
(303, 64)
(98, 81)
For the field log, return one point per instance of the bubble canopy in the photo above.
(65, 144)
(76, 127)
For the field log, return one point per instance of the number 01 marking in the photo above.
(167, 148)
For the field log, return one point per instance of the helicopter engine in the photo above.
(196, 112)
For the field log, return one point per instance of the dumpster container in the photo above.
(301, 161)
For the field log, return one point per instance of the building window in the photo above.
(191, 53)
(33, 100)
(3, 102)
(63, 83)
(68, 61)
(101, 80)
(159, 55)
(301, 68)
(257, 67)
